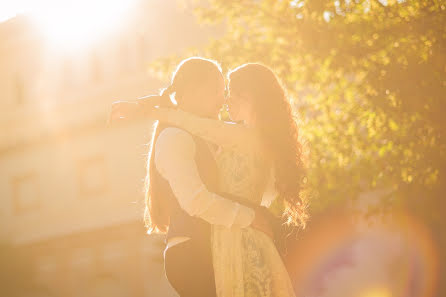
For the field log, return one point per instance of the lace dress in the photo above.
(246, 261)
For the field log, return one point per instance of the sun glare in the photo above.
(73, 24)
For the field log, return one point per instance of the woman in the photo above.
(259, 160)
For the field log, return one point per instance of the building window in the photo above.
(112, 251)
(82, 259)
(92, 176)
(47, 266)
(25, 193)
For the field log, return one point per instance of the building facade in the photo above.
(71, 186)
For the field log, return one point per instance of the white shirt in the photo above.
(175, 161)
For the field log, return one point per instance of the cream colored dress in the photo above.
(246, 261)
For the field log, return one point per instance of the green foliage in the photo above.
(368, 80)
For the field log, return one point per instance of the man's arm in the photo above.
(175, 160)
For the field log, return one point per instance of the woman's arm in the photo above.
(134, 109)
(225, 134)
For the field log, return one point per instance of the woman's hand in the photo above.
(142, 107)
(122, 110)
(262, 223)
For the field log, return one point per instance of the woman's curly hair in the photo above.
(279, 132)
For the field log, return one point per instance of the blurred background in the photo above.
(367, 79)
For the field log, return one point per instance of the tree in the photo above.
(368, 80)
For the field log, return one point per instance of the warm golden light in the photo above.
(73, 24)
(377, 292)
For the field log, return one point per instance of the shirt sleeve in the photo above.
(175, 161)
(270, 193)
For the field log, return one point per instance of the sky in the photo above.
(9, 8)
(70, 23)
(6, 11)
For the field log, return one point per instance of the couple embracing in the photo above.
(212, 184)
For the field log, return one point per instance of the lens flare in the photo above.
(377, 292)
(395, 258)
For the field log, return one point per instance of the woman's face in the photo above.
(240, 107)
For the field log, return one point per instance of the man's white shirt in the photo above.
(175, 161)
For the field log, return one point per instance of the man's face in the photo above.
(211, 98)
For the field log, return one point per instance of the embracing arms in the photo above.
(225, 134)
(213, 208)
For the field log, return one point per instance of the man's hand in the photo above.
(262, 223)
(124, 110)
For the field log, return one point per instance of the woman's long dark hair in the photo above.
(190, 73)
(279, 132)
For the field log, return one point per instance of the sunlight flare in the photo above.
(73, 24)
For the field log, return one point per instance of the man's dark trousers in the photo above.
(189, 269)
